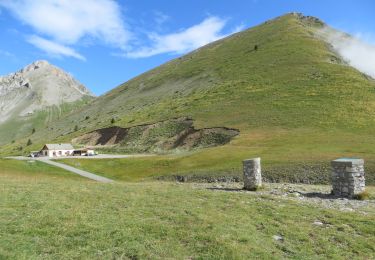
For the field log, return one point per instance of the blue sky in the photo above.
(104, 43)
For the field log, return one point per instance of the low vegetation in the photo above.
(173, 134)
(53, 218)
(365, 195)
(25, 171)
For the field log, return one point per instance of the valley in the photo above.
(165, 179)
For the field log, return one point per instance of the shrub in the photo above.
(364, 195)
(29, 142)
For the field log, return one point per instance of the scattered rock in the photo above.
(278, 238)
(318, 223)
(296, 194)
(346, 209)
(315, 195)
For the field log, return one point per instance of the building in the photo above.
(57, 150)
(84, 152)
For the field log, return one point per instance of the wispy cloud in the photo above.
(60, 26)
(66, 22)
(54, 49)
(356, 52)
(160, 17)
(7, 54)
(186, 40)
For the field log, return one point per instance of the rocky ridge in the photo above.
(35, 87)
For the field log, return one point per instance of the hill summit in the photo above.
(282, 84)
(37, 88)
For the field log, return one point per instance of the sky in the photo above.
(104, 43)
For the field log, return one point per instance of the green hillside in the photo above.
(291, 96)
(18, 127)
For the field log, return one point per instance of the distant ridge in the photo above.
(37, 88)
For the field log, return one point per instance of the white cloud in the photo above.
(6, 54)
(66, 22)
(357, 53)
(53, 48)
(160, 17)
(186, 40)
(60, 25)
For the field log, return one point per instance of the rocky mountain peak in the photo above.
(37, 86)
(36, 65)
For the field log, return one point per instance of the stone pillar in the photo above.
(252, 175)
(348, 177)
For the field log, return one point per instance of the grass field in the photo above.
(284, 159)
(32, 171)
(64, 218)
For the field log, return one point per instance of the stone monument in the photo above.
(348, 177)
(252, 174)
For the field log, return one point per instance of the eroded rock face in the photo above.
(177, 133)
(36, 86)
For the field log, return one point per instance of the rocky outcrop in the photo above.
(177, 133)
(35, 87)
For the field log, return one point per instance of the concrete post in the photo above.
(348, 177)
(252, 174)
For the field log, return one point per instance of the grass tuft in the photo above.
(364, 195)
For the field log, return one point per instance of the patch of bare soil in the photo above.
(176, 133)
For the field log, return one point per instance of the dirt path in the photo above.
(82, 173)
(76, 171)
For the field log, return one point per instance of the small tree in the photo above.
(76, 128)
(113, 120)
(29, 142)
(33, 131)
(255, 47)
(87, 118)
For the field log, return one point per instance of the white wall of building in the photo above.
(57, 153)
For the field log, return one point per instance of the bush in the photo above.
(29, 142)
(364, 195)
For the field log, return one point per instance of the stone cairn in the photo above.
(348, 177)
(252, 174)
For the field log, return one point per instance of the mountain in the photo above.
(282, 84)
(38, 88)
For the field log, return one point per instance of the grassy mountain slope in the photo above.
(22, 127)
(293, 99)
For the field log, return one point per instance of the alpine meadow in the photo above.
(274, 105)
